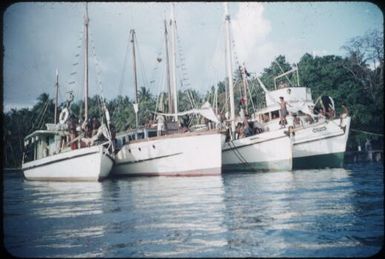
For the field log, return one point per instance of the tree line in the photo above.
(355, 80)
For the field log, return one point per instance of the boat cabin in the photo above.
(142, 133)
(42, 143)
(297, 97)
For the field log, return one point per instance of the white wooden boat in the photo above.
(318, 142)
(179, 154)
(44, 164)
(267, 151)
(175, 153)
(46, 158)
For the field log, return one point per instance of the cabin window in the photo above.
(275, 114)
(266, 117)
(152, 134)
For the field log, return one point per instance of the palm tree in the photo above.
(146, 105)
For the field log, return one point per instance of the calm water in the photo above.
(332, 212)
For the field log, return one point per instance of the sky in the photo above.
(40, 38)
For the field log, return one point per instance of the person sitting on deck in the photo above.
(87, 130)
(257, 127)
(296, 121)
(247, 130)
(95, 124)
(72, 132)
(308, 119)
(239, 131)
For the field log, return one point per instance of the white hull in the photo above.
(324, 141)
(187, 154)
(270, 151)
(85, 164)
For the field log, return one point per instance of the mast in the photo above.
(229, 69)
(216, 100)
(56, 96)
(170, 104)
(86, 21)
(132, 32)
(173, 62)
(297, 74)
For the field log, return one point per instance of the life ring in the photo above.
(63, 116)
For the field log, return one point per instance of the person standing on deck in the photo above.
(160, 126)
(283, 111)
(72, 132)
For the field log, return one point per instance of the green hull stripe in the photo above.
(319, 161)
(280, 165)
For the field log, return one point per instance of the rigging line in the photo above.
(291, 84)
(251, 98)
(238, 154)
(156, 69)
(259, 94)
(368, 132)
(100, 97)
(142, 71)
(191, 99)
(41, 120)
(158, 93)
(189, 95)
(217, 49)
(96, 63)
(237, 84)
(120, 86)
(161, 85)
(75, 63)
(225, 105)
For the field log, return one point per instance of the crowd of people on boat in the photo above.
(85, 133)
(248, 127)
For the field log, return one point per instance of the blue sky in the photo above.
(40, 37)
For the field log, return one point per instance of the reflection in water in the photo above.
(64, 199)
(331, 212)
(307, 213)
(55, 218)
(167, 216)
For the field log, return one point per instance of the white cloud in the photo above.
(320, 53)
(250, 30)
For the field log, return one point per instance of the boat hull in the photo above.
(321, 146)
(187, 154)
(269, 151)
(85, 164)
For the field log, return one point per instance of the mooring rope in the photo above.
(367, 132)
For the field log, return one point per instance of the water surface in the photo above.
(329, 212)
